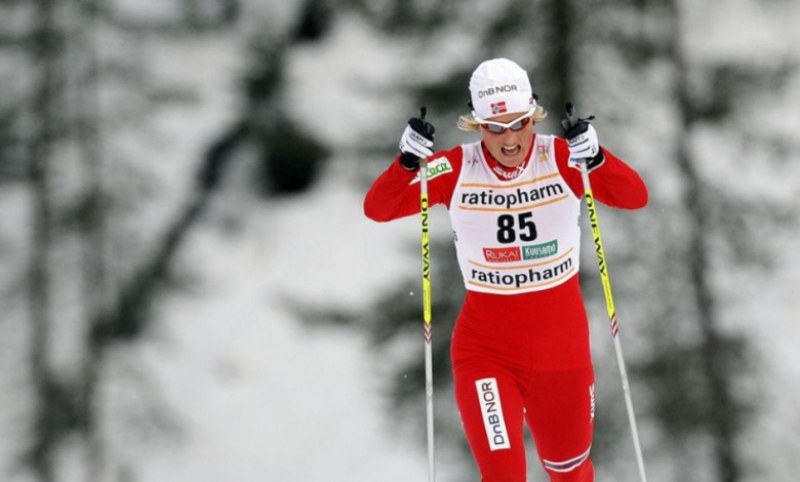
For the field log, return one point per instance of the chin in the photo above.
(511, 161)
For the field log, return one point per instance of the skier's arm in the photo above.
(614, 183)
(391, 196)
(396, 193)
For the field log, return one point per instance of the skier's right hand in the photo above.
(416, 142)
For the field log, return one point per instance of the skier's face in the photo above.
(509, 147)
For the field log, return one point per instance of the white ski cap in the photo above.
(500, 86)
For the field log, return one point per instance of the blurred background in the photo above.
(190, 291)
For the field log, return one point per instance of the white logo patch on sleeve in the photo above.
(436, 167)
(492, 410)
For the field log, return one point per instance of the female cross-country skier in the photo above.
(520, 347)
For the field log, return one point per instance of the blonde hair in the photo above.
(468, 123)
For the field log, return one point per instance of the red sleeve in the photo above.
(614, 183)
(393, 195)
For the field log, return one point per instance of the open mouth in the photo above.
(511, 150)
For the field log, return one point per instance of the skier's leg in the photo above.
(491, 411)
(560, 412)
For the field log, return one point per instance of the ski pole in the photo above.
(426, 306)
(608, 295)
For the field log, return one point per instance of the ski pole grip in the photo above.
(569, 109)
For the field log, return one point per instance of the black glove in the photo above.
(416, 141)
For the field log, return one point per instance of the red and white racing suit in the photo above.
(520, 346)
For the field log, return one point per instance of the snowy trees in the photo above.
(80, 90)
(694, 368)
(64, 86)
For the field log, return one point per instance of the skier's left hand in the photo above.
(583, 144)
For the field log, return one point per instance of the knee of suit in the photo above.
(502, 473)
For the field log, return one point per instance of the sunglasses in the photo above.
(499, 127)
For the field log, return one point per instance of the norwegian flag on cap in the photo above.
(499, 108)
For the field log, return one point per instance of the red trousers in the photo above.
(526, 357)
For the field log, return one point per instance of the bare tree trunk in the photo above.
(39, 295)
(720, 406)
(561, 54)
(93, 232)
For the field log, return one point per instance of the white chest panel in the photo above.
(519, 235)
